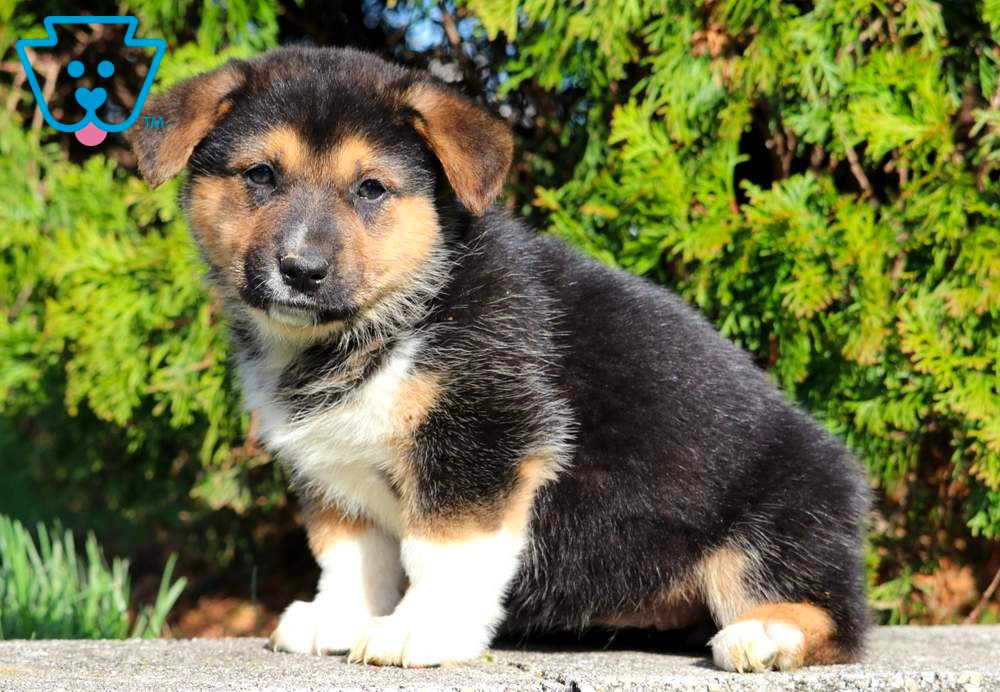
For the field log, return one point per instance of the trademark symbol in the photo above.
(153, 122)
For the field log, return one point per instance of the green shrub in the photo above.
(873, 302)
(116, 395)
(48, 591)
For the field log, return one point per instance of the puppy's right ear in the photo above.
(473, 147)
(189, 110)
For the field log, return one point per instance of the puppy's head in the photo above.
(315, 176)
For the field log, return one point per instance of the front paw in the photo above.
(315, 627)
(399, 640)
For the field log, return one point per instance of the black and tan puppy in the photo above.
(487, 428)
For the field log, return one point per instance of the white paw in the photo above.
(399, 640)
(752, 646)
(317, 627)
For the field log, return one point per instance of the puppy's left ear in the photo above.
(190, 110)
(475, 149)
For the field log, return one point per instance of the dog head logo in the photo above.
(90, 130)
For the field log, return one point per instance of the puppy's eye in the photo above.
(261, 175)
(371, 189)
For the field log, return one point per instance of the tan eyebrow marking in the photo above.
(347, 158)
(285, 146)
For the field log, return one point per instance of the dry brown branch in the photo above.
(49, 69)
(250, 444)
(858, 171)
(450, 28)
(15, 92)
(20, 300)
(973, 617)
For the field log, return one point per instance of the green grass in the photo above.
(49, 591)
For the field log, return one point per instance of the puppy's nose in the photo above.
(304, 272)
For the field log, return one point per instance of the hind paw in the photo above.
(753, 646)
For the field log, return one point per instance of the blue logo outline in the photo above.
(91, 116)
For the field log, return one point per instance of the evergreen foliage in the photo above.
(818, 177)
(116, 396)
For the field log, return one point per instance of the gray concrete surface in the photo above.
(901, 658)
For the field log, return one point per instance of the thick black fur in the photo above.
(681, 444)
(674, 444)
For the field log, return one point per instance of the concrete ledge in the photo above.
(901, 658)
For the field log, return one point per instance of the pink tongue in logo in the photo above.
(90, 135)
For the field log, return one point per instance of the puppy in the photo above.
(486, 428)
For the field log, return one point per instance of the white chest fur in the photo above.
(343, 451)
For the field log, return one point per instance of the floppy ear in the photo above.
(474, 148)
(189, 110)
